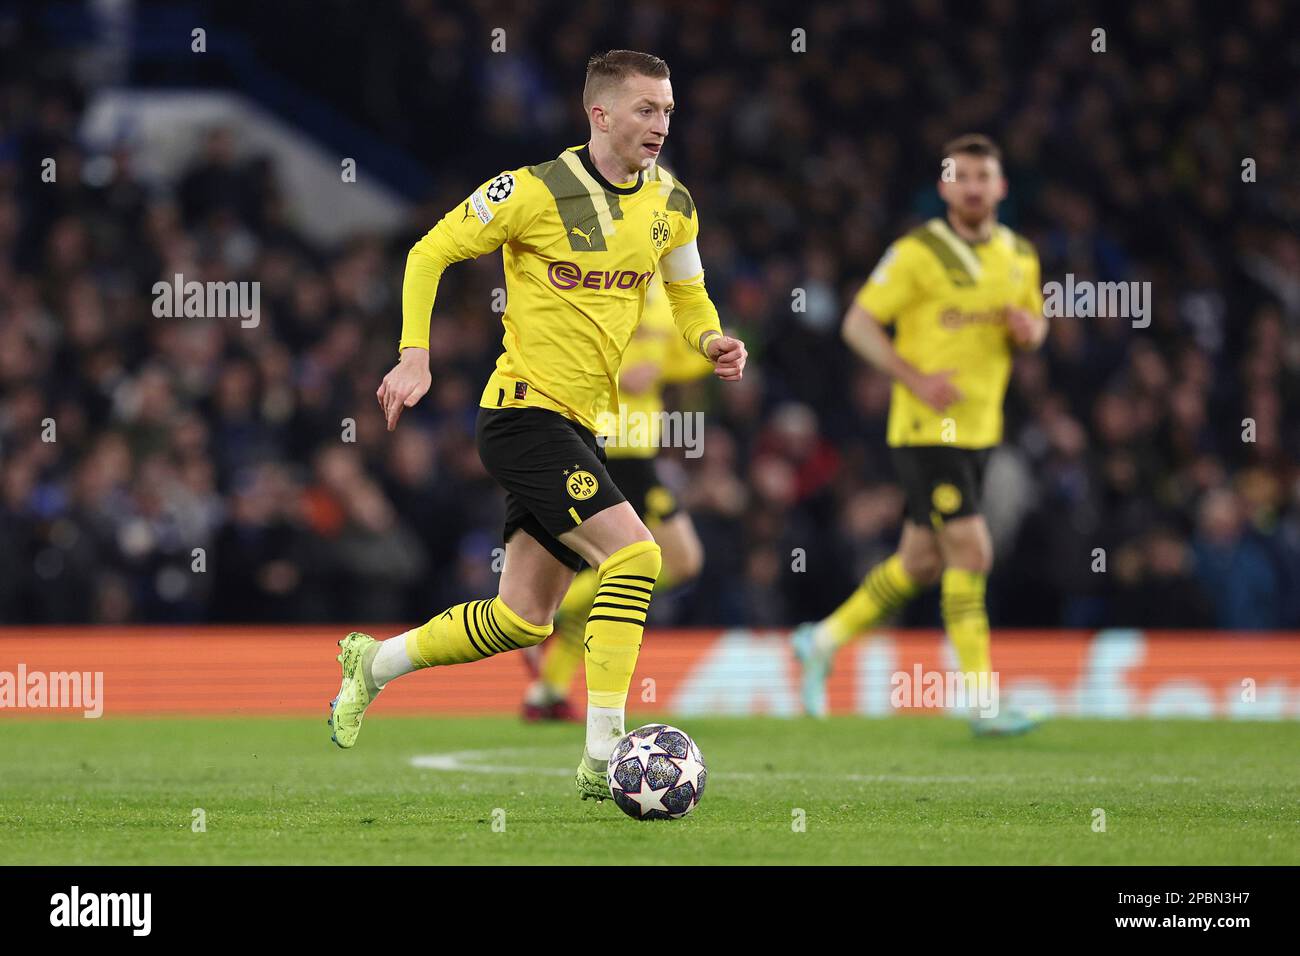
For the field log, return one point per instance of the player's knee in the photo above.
(981, 560)
(925, 567)
(685, 563)
(689, 567)
(969, 547)
(525, 625)
(529, 639)
(638, 559)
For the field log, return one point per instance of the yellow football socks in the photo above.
(564, 651)
(616, 623)
(471, 632)
(961, 598)
(885, 589)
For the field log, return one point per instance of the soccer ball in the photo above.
(657, 773)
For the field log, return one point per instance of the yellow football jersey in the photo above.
(947, 299)
(579, 254)
(635, 431)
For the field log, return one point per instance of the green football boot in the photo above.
(357, 691)
(1011, 722)
(592, 779)
(814, 669)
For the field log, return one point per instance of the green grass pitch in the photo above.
(904, 790)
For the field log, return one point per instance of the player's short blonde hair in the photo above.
(605, 70)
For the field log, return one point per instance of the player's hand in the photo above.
(936, 389)
(1026, 331)
(728, 356)
(405, 385)
(638, 378)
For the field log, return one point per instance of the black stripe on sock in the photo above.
(627, 587)
(616, 596)
(622, 607)
(625, 590)
(490, 617)
(480, 617)
(469, 632)
(630, 577)
(879, 594)
(891, 595)
(621, 620)
(489, 628)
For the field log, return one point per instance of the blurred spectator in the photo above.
(1235, 567)
(1172, 449)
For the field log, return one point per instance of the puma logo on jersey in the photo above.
(586, 235)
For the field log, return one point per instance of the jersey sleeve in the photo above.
(892, 285)
(495, 213)
(683, 273)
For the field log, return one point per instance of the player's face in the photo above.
(638, 120)
(977, 187)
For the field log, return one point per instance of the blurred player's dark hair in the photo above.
(972, 144)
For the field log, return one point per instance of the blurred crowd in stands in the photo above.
(172, 469)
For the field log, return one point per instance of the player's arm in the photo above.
(1026, 324)
(891, 288)
(866, 336)
(694, 313)
(476, 226)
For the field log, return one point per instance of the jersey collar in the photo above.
(584, 156)
(973, 244)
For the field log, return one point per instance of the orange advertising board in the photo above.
(291, 670)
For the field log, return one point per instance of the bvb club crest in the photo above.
(946, 498)
(659, 231)
(581, 485)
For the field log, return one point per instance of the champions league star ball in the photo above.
(657, 773)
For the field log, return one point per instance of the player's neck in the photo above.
(609, 166)
(978, 233)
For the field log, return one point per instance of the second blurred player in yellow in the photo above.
(656, 357)
(962, 293)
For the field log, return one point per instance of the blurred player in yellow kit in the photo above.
(962, 292)
(656, 357)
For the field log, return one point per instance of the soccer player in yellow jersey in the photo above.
(657, 356)
(961, 292)
(583, 235)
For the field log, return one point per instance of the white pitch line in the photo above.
(469, 761)
(466, 761)
(456, 762)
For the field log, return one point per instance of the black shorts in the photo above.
(940, 482)
(553, 472)
(638, 479)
